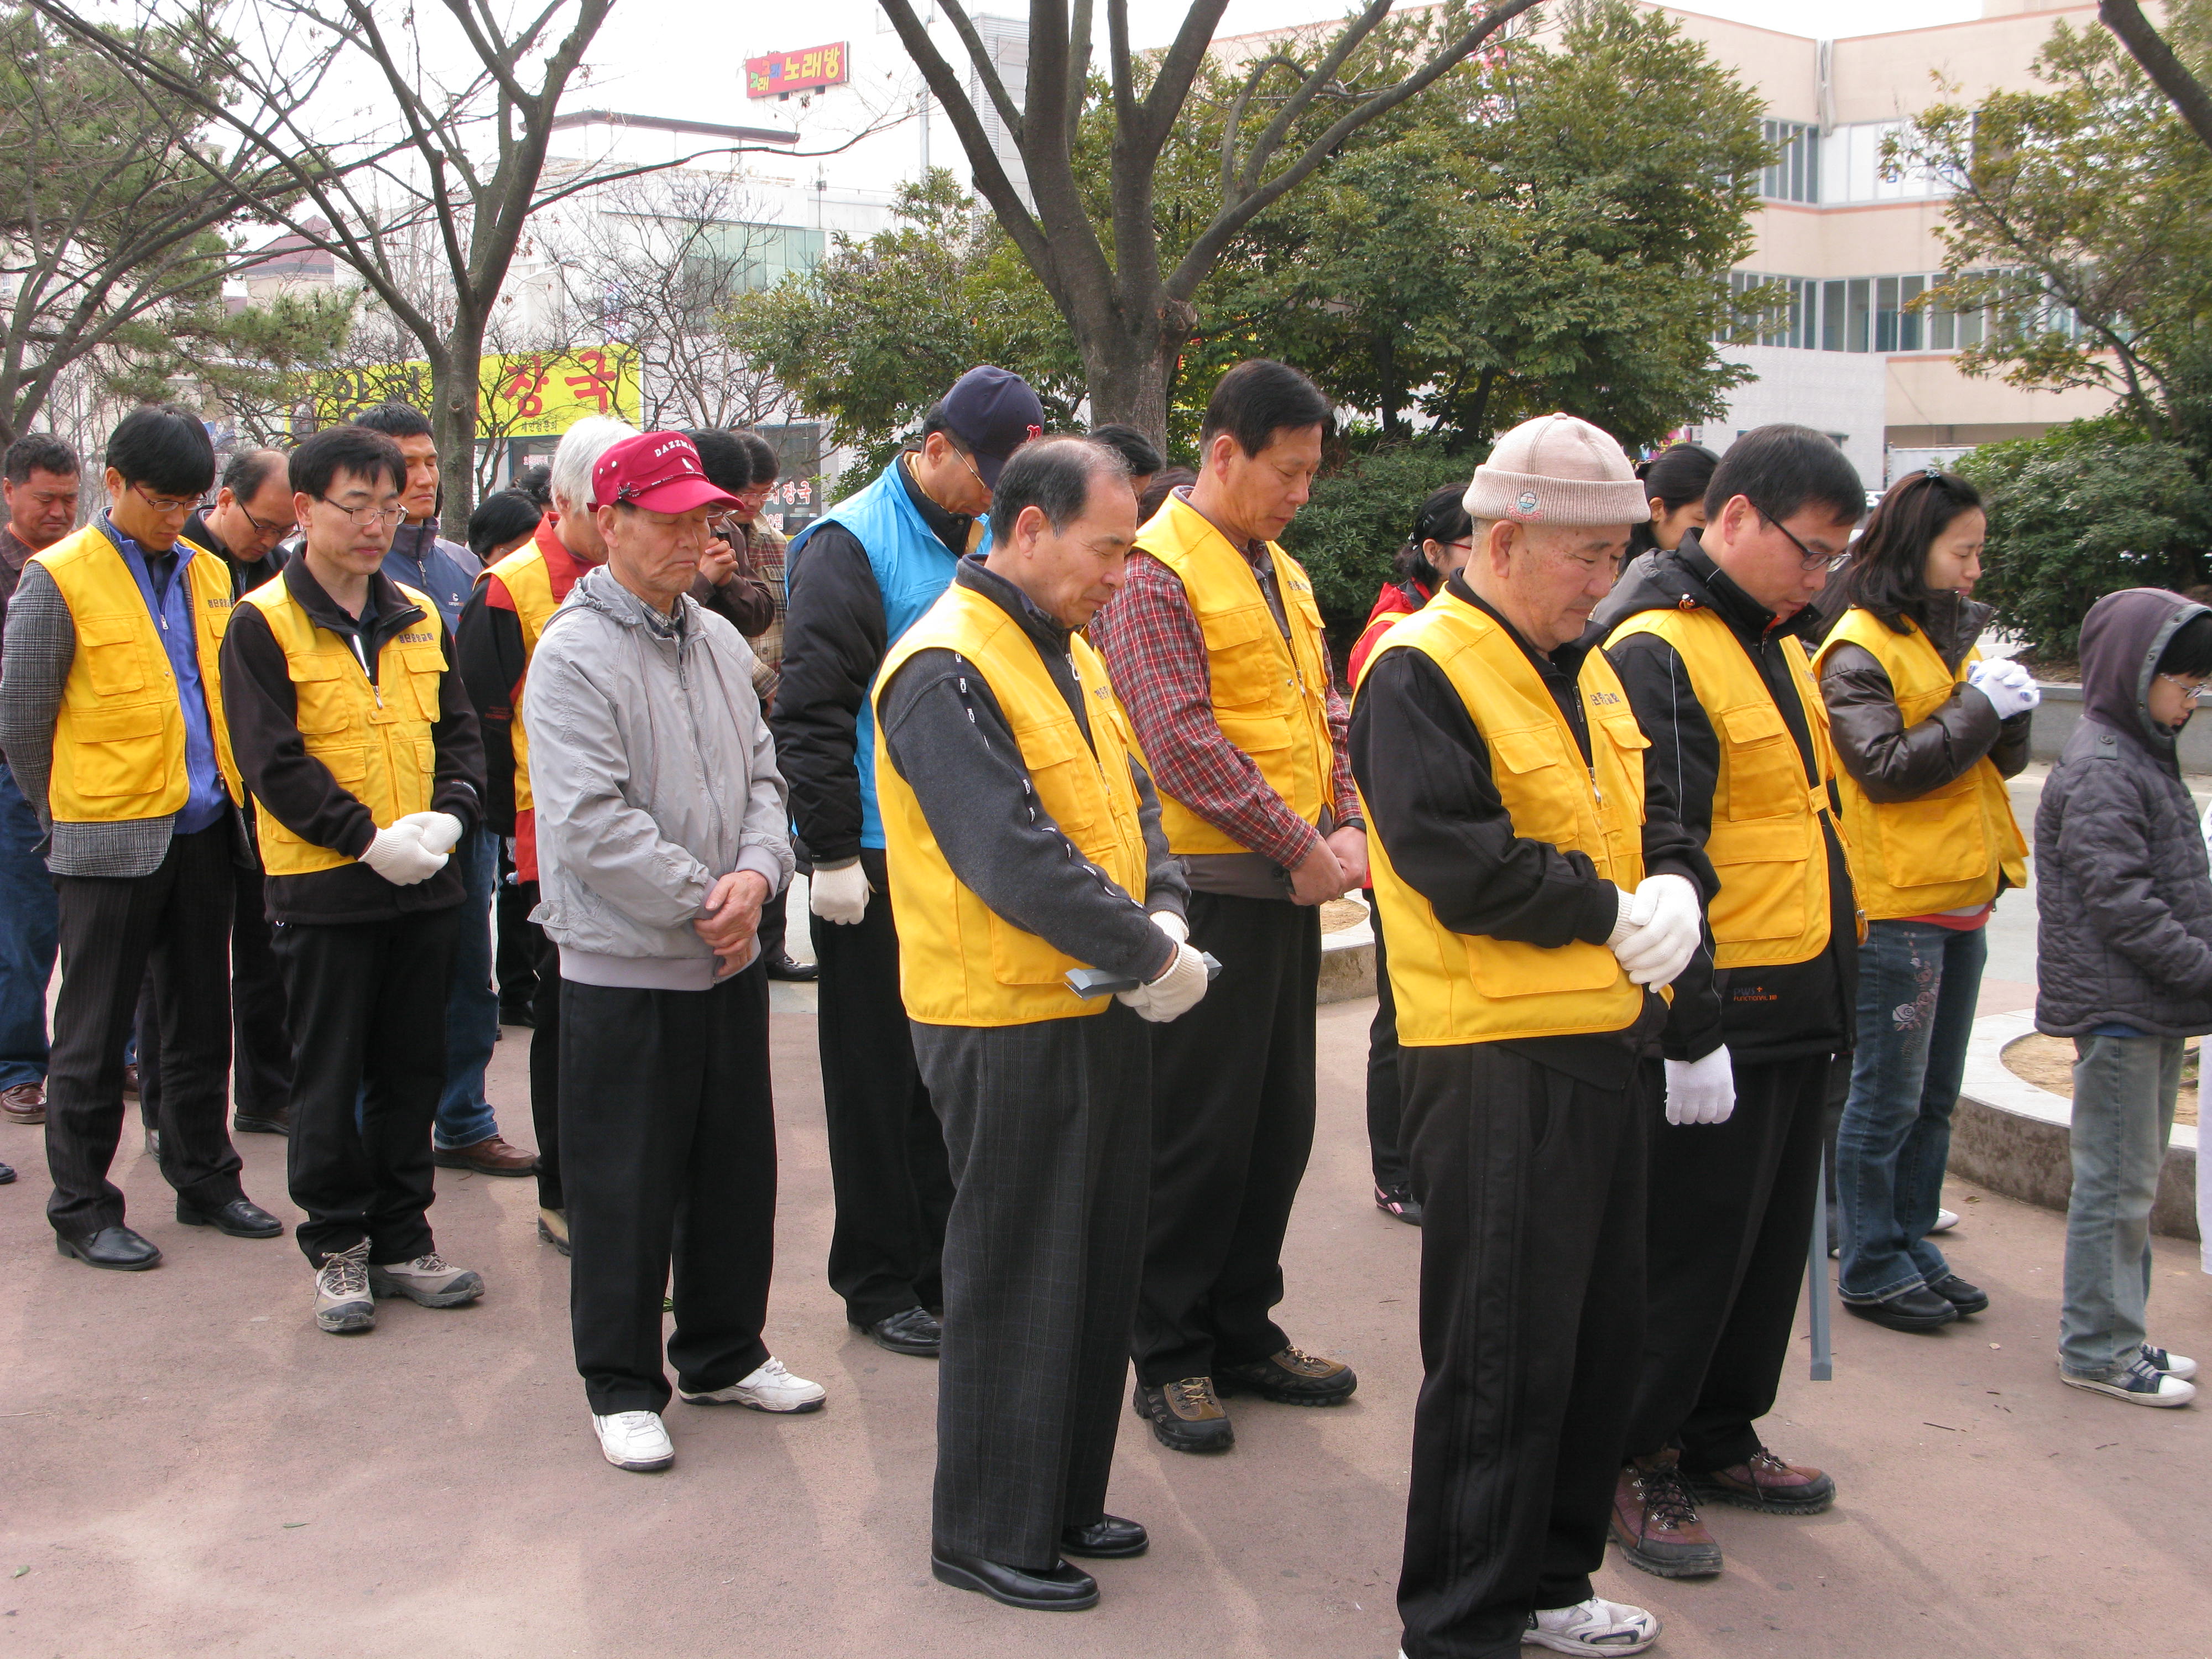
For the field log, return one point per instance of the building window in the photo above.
(1794, 173)
(1867, 313)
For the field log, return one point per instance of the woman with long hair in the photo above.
(1675, 482)
(1927, 732)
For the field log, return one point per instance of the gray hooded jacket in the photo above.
(654, 775)
(2122, 889)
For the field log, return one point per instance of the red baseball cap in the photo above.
(658, 471)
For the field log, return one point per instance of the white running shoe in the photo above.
(1945, 1220)
(2141, 1384)
(342, 1302)
(429, 1281)
(2173, 1364)
(768, 1389)
(1596, 1626)
(634, 1440)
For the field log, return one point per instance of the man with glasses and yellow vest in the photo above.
(1538, 891)
(357, 742)
(111, 719)
(1705, 638)
(1023, 839)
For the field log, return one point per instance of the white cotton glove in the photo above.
(1172, 925)
(398, 856)
(1657, 948)
(441, 831)
(2009, 688)
(1176, 990)
(1701, 1090)
(840, 895)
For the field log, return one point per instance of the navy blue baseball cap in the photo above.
(994, 413)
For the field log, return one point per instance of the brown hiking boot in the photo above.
(1654, 1521)
(1292, 1378)
(1186, 1416)
(25, 1103)
(1769, 1485)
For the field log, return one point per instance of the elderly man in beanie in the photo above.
(1705, 639)
(660, 834)
(859, 577)
(1539, 891)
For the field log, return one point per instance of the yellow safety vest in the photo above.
(530, 585)
(120, 733)
(1270, 694)
(375, 739)
(1462, 987)
(960, 962)
(1945, 850)
(1766, 844)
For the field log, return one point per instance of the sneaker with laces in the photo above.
(1596, 1626)
(1654, 1520)
(1293, 1377)
(430, 1281)
(2141, 1384)
(1185, 1416)
(1767, 1484)
(342, 1301)
(634, 1440)
(768, 1389)
(2173, 1364)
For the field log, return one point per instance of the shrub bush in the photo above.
(1349, 534)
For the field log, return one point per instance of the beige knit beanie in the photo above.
(1557, 470)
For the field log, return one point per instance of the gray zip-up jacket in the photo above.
(654, 776)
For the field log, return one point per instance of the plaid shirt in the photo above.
(1157, 655)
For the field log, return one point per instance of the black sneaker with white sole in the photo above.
(2141, 1384)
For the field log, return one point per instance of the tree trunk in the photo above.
(453, 396)
(1131, 371)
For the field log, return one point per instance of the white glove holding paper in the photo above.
(1176, 990)
(441, 831)
(1701, 1090)
(1663, 924)
(840, 895)
(398, 856)
(2009, 688)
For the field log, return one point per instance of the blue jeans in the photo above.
(464, 1117)
(1918, 984)
(2124, 1089)
(30, 919)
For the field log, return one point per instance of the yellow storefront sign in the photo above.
(519, 394)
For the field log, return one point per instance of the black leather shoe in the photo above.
(1060, 1589)
(1916, 1309)
(279, 1125)
(7, 1175)
(115, 1248)
(1966, 1298)
(1107, 1536)
(781, 966)
(914, 1332)
(517, 1014)
(241, 1218)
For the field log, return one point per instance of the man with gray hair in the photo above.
(1537, 894)
(1024, 843)
(500, 626)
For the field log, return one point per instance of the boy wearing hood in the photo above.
(2125, 965)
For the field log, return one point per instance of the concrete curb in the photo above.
(1347, 964)
(2011, 1137)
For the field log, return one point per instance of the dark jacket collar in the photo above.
(951, 528)
(1044, 631)
(1567, 660)
(395, 612)
(1688, 580)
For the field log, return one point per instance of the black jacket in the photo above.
(1762, 1014)
(834, 642)
(1424, 773)
(245, 574)
(299, 791)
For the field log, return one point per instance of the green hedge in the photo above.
(1347, 535)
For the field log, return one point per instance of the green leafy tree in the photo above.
(1349, 533)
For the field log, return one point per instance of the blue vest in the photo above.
(912, 568)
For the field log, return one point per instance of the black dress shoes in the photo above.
(115, 1248)
(1059, 1589)
(1966, 1298)
(246, 1124)
(914, 1332)
(241, 1218)
(1107, 1536)
(7, 1175)
(781, 966)
(1916, 1309)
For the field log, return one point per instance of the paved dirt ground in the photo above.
(188, 1467)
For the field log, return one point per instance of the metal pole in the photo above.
(1816, 1281)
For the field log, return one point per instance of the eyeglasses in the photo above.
(167, 506)
(367, 518)
(1811, 558)
(2192, 695)
(277, 530)
(971, 466)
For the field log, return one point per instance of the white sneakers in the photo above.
(342, 1302)
(1945, 1220)
(768, 1389)
(634, 1440)
(2173, 1364)
(1596, 1626)
(430, 1281)
(2143, 1383)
